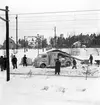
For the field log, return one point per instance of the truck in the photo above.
(48, 59)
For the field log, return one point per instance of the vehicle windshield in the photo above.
(42, 55)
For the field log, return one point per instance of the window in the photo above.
(44, 56)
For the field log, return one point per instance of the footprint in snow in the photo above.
(45, 88)
(82, 90)
(61, 89)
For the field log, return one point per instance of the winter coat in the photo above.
(74, 62)
(24, 60)
(57, 66)
(14, 60)
(91, 58)
(1, 61)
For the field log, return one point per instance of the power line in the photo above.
(57, 16)
(59, 28)
(35, 16)
(57, 12)
(31, 21)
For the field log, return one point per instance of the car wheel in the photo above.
(42, 65)
(68, 63)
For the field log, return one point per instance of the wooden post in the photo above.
(24, 44)
(55, 37)
(38, 43)
(7, 40)
(7, 44)
(16, 32)
(87, 72)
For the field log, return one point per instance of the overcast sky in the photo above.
(50, 5)
(29, 24)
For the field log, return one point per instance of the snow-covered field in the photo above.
(36, 86)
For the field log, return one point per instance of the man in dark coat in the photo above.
(24, 60)
(57, 66)
(14, 62)
(5, 62)
(74, 64)
(1, 63)
(91, 59)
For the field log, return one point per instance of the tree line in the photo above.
(92, 40)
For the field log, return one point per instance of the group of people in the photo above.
(14, 61)
(58, 65)
(74, 64)
(3, 62)
(24, 63)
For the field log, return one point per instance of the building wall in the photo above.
(12, 44)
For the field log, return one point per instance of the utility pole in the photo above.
(43, 43)
(7, 43)
(55, 37)
(6, 10)
(24, 44)
(16, 32)
(38, 43)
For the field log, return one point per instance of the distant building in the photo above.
(12, 44)
(0, 46)
(31, 44)
(49, 47)
(76, 44)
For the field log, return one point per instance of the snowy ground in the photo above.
(47, 90)
(36, 86)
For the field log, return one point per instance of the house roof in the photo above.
(11, 44)
(62, 52)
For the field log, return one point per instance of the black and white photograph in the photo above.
(50, 52)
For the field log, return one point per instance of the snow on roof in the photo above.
(56, 50)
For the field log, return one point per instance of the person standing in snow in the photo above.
(1, 63)
(5, 62)
(74, 64)
(24, 60)
(91, 59)
(14, 62)
(57, 66)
